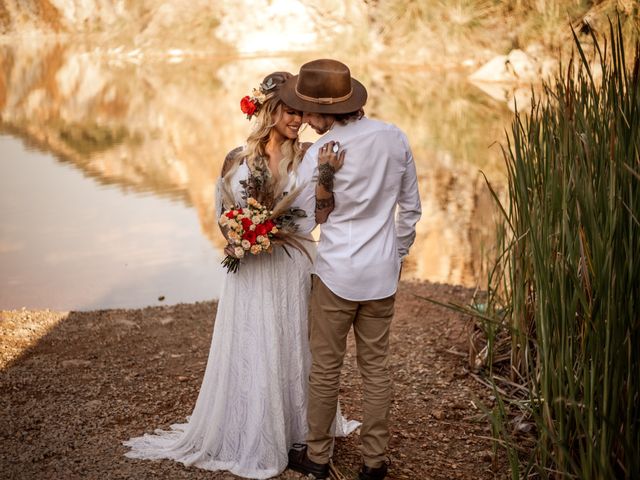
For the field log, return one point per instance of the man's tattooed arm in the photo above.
(326, 173)
(324, 192)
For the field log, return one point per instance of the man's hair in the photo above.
(344, 118)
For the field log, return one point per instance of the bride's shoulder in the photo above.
(305, 147)
(231, 157)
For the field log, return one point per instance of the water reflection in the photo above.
(66, 244)
(162, 129)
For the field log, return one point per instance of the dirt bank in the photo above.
(74, 385)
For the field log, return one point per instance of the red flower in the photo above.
(269, 225)
(247, 106)
(261, 229)
(251, 236)
(230, 214)
(246, 223)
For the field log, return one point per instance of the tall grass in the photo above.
(567, 286)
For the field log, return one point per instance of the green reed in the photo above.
(567, 287)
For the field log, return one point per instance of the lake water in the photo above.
(108, 163)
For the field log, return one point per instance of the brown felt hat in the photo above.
(324, 86)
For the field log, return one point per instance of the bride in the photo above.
(252, 403)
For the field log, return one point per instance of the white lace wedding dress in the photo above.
(252, 404)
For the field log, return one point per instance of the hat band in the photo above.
(324, 100)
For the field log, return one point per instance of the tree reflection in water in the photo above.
(164, 128)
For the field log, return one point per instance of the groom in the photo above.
(375, 205)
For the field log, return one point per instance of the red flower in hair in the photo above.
(247, 106)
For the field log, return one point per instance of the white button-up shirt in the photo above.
(377, 206)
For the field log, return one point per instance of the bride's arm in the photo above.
(329, 162)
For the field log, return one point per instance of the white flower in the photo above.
(246, 244)
(260, 239)
(233, 224)
(224, 220)
(239, 252)
(256, 219)
(233, 235)
(258, 96)
(256, 249)
(252, 227)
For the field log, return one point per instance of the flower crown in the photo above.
(250, 105)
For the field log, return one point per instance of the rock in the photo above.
(522, 66)
(486, 456)
(438, 414)
(492, 71)
(126, 323)
(516, 67)
(76, 363)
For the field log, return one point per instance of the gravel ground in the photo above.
(74, 385)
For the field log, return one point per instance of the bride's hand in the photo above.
(331, 154)
(228, 250)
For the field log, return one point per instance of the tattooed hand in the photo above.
(331, 154)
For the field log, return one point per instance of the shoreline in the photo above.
(80, 383)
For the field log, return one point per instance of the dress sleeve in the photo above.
(218, 200)
(226, 166)
(229, 159)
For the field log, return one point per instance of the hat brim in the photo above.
(287, 93)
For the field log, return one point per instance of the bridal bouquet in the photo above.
(250, 230)
(267, 220)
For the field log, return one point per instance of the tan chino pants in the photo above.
(331, 318)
